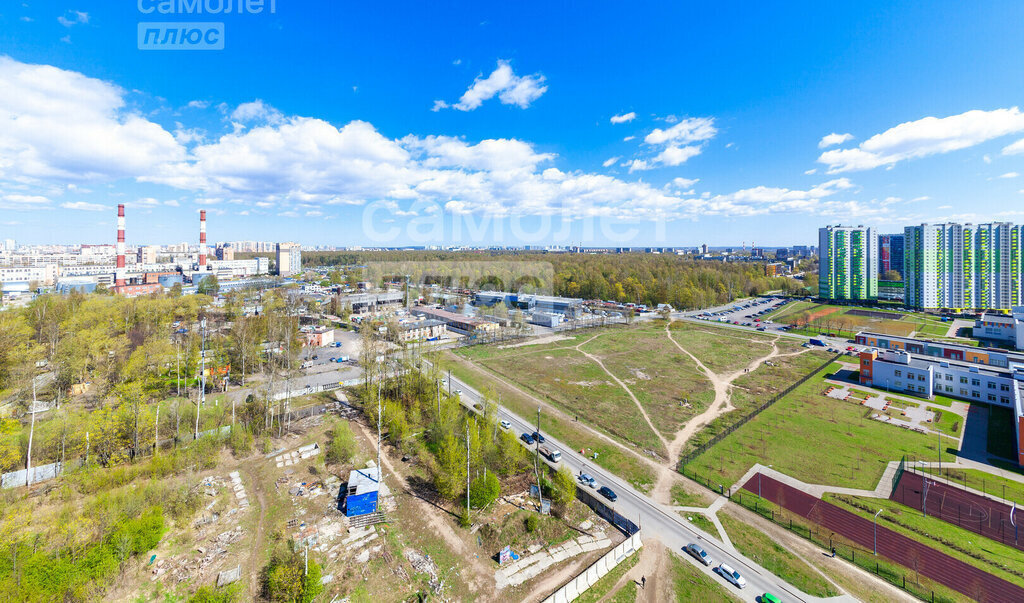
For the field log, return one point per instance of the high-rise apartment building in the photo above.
(890, 253)
(289, 258)
(146, 254)
(969, 266)
(849, 263)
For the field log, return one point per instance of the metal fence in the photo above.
(689, 457)
(609, 513)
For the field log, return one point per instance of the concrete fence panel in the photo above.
(600, 568)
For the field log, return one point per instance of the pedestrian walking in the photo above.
(643, 582)
(833, 552)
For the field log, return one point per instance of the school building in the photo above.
(926, 369)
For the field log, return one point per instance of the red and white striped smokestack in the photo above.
(202, 240)
(119, 279)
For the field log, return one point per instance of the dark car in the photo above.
(608, 493)
(537, 437)
(526, 438)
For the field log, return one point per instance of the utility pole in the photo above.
(32, 430)
(156, 430)
(876, 531)
(449, 383)
(380, 416)
(536, 461)
(467, 470)
(177, 353)
(305, 560)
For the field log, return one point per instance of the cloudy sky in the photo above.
(496, 123)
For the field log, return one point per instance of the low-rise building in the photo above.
(459, 323)
(420, 330)
(940, 349)
(362, 492)
(1002, 328)
(318, 336)
(901, 371)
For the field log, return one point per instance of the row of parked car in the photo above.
(725, 571)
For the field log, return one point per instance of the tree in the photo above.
(563, 487)
(208, 285)
(283, 578)
(451, 475)
(891, 275)
(342, 446)
(484, 490)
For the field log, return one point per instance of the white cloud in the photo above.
(691, 129)
(811, 171)
(82, 205)
(198, 104)
(1010, 175)
(624, 118)
(256, 112)
(628, 138)
(924, 137)
(684, 182)
(673, 155)
(611, 161)
(73, 17)
(1010, 149)
(63, 126)
(510, 88)
(639, 165)
(833, 139)
(19, 201)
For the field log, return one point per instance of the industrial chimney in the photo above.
(119, 279)
(202, 240)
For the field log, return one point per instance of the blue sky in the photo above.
(492, 123)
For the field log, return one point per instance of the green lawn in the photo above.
(721, 349)
(946, 421)
(1000, 560)
(682, 498)
(755, 388)
(691, 584)
(775, 558)
(788, 434)
(995, 485)
(636, 472)
(702, 522)
(1001, 433)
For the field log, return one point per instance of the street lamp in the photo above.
(876, 531)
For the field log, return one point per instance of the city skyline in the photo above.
(495, 135)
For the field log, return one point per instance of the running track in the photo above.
(957, 506)
(933, 564)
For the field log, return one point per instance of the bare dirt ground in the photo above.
(538, 341)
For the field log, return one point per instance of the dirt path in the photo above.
(435, 520)
(251, 566)
(653, 565)
(639, 406)
(555, 411)
(722, 403)
(538, 341)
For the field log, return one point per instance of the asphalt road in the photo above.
(655, 521)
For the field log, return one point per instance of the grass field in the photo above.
(636, 472)
(994, 485)
(701, 521)
(776, 559)
(755, 388)
(946, 421)
(690, 584)
(1001, 435)
(794, 433)
(989, 555)
(666, 381)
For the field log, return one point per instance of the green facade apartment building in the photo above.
(849, 263)
(964, 266)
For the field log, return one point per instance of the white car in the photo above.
(732, 576)
(506, 425)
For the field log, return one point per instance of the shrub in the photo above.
(531, 523)
(342, 446)
(484, 490)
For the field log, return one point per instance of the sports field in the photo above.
(846, 321)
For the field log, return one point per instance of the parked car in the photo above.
(552, 455)
(526, 438)
(770, 598)
(587, 479)
(537, 437)
(506, 425)
(732, 576)
(458, 392)
(698, 553)
(608, 493)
